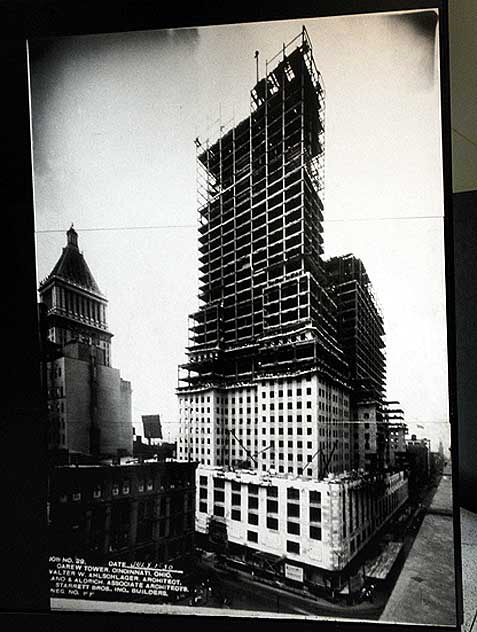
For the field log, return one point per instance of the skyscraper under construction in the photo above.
(286, 349)
(264, 356)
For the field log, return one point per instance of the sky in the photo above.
(114, 118)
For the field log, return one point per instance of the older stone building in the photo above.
(130, 511)
(89, 404)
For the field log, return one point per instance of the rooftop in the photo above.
(259, 477)
(72, 267)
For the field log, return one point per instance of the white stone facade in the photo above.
(319, 523)
(285, 425)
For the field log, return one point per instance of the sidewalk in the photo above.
(363, 609)
(425, 590)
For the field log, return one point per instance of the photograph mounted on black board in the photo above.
(242, 295)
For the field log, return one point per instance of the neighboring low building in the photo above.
(131, 511)
(310, 530)
(396, 431)
(418, 453)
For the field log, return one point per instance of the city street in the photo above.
(243, 592)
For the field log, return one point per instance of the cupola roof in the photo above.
(72, 266)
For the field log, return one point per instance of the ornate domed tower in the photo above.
(76, 305)
(89, 404)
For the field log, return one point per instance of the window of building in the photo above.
(219, 496)
(253, 502)
(293, 528)
(293, 493)
(272, 506)
(293, 510)
(219, 511)
(315, 514)
(293, 547)
(272, 523)
(252, 536)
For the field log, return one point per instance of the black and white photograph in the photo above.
(241, 278)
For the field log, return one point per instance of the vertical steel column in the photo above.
(283, 84)
(302, 150)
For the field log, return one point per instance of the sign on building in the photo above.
(294, 572)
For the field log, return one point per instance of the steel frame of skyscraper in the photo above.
(267, 313)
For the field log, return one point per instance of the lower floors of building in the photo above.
(313, 533)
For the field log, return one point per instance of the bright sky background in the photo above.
(114, 118)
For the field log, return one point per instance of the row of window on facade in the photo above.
(232, 452)
(236, 462)
(200, 424)
(271, 406)
(123, 488)
(369, 517)
(322, 405)
(272, 522)
(293, 496)
(272, 419)
(271, 393)
(80, 305)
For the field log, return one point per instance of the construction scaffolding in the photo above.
(264, 305)
(360, 326)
